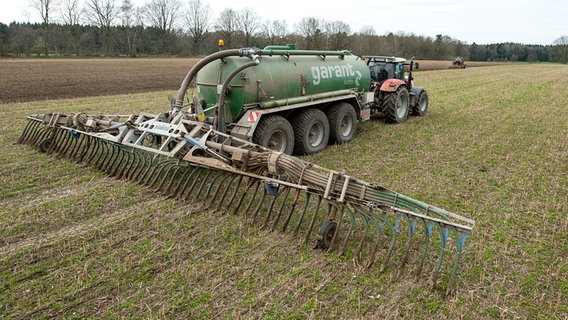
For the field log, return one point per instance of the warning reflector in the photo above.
(253, 116)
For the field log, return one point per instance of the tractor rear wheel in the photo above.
(342, 122)
(396, 105)
(276, 133)
(311, 131)
(421, 106)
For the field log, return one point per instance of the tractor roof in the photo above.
(385, 59)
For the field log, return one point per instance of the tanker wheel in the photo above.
(396, 105)
(311, 131)
(45, 144)
(342, 122)
(276, 133)
(325, 234)
(421, 105)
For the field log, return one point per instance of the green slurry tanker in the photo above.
(298, 101)
(228, 146)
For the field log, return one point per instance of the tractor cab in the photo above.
(384, 68)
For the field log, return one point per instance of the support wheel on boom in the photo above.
(396, 105)
(45, 144)
(276, 133)
(325, 234)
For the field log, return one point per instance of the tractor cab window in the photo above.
(399, 71)
(381, 71)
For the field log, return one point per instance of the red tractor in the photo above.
(395, 94)
(458, 63)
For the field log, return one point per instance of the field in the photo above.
(41, 79)
(75, 243)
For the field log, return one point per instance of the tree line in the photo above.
(167, 27)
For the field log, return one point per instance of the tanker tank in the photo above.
(291, 74)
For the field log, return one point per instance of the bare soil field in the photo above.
(45, 79)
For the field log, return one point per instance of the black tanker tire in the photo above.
(421, 106)
(342, 123)
(275, 132)
(45, 144)
(311, 131)
(391, 103)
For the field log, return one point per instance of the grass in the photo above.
(493, 147)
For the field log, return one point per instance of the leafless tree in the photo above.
(311, 29)
(364, 42)
(226, 25)
(338, 33)
(103, 14)
(127, 10)
(198, 23)
(561, 48)
(71, 12)
(44, 8)
(248, 23)
(131, 18)
(162, 14)
(275, 32)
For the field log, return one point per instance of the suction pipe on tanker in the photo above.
(220, 123)
(203, 62)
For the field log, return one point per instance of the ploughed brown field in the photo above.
(45, 79)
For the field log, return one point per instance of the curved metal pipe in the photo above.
(221, 100)
(203, 62)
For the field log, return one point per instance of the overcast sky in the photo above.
(479, 21)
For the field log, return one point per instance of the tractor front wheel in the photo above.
(396, 105)
(421, 106)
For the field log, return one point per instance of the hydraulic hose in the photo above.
(199, 65)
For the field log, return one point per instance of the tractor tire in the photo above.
(342, 123)
(276, 133)
(421, 106)
(311, 131)
(396, 105)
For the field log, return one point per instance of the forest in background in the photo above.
(112, 28)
